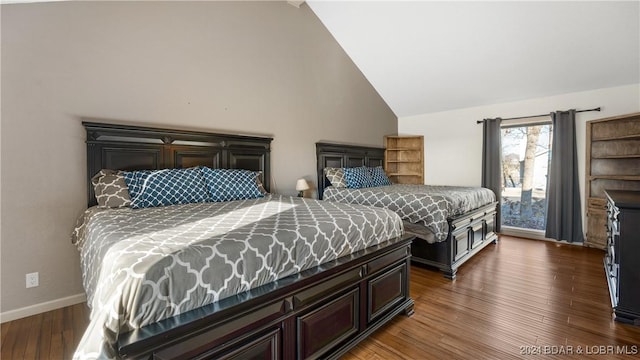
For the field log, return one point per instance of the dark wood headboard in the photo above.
(125, 147)
(342, 155)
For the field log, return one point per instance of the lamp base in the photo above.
(300, 193)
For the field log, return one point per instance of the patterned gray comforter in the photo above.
(427, 205)
(141, 266)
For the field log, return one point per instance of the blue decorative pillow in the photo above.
(149, 188)
(231, 184)
(357, 177)
(378, 176)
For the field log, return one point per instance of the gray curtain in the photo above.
(492, 161)
(564, 214)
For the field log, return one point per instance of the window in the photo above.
(526, 152)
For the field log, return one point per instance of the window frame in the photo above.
(512, 230)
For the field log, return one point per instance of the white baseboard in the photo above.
(42, 307)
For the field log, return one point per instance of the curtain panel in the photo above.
(492, 161)
(564, 212)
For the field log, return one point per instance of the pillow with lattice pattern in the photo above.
(335, 177)
(231, 184)
(110, 189)
(150, 188)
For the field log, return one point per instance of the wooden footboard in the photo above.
(468, 234)
(319, 313)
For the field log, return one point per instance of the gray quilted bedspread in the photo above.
(427, 205)
(141, 266)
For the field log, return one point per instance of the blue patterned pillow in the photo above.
(149, 188)
(357, 177)
(231, 184)
(378, 176)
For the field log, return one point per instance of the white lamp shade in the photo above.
(302, 185)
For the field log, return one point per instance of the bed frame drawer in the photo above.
(461, 243)
(386, 290)
(329, 325)
(266, 347)
(477, 232)
(222, 339)
(386, 260)
(489, 225)
(316, 293)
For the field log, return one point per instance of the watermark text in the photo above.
(579, 350)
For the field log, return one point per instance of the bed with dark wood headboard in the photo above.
(468, 233)
(319, 312)
(125, 147)
(343, 155)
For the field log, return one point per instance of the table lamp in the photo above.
(301, 186)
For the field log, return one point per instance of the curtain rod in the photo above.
(541, 115)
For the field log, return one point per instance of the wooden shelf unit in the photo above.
(613, 163)
(404, 158)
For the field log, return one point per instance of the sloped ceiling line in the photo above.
(428, 56)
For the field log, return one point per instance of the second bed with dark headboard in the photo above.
(468, 232)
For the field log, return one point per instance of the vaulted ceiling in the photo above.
(425, 56)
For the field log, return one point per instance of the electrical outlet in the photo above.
(32, 280)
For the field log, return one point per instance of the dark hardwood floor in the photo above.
(517, 299)
(51, 335)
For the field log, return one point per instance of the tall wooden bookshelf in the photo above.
(404, 158)
(613, 163)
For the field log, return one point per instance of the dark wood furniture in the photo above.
(124, 147)
(613, 163)
(344, 155)
(319, 313)
(468, 233)
(622, 261)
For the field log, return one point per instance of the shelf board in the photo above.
(615, 177)
(404, 161)
(623, 137)
(405, 174)
(631, 156)
(403, 137)
(402, 149)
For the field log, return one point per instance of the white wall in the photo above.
(453, 139)
(241, 67)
